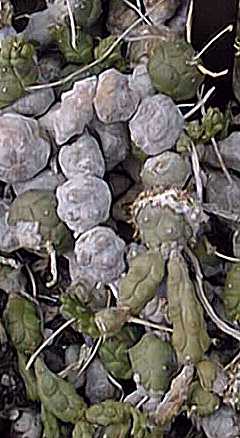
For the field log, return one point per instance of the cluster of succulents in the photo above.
(119, 225)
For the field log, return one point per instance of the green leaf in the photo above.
(50, 424)
(58, 396)
(154, 361)
(143, 277)
(190, 338)
(23, 324)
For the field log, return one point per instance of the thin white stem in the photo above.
(150, 324)
(225, 257)
(53, 264)
(47, 341)
(200, 104)
(91, 356)
(210, 73)
(221, 162)
(222, 325)
(229, 28)
(114, 290)
(72, 26)
(33, 282)
(115, 383)
(138, 11)
(189, 22)
(86, 67)
(7, 261)
(197, 172)
(142, 401)
(235, 360)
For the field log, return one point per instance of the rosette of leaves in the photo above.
(18, 68)
(82, 53)
(172, 70)
(114, 353)
(201, 401)
(231, 293)
(166, 170)
(139, 286)
(115, 58)
(72, 307)
(24, 148)
(190, 338)
(154, 361)
(113, 413)
(39, 206)
(156, 125)
(58, 396)
(22, 324)
(213, 123)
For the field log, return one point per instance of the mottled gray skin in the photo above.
(166, 170)
(84, 155)
(222, 194)
(115, 100)
(83, 202)
(157, 124)
(24, 148)
(100, 253)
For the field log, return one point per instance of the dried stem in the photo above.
(222, 325)
(47, 341)
(138, 11)
(150, 324)
(72, 26)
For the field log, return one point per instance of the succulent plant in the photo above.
(83, 202)
(166, 170)
(221, 193)
(39, 206)
(18, 68)
(113, 353)
(72, 307)
(58, 396)
(190, 338)
(207, 373)
(28, 378)
(100, 254)
(115, 101)
(50, 424)
(223, 422)
(115, 59)
(32, 104)
(231, 294)
(115, 141)
(23, 324)
(228, 150)
(24, 148)
(46, 180)
(82, 53)
(165, 217)
(157, 124)
(139, 286)
(83, 429)
(172, 70)
(153, 361)
(160, 11)
(111, 320)
(84, 155)
(203, 402)
(63, 121)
